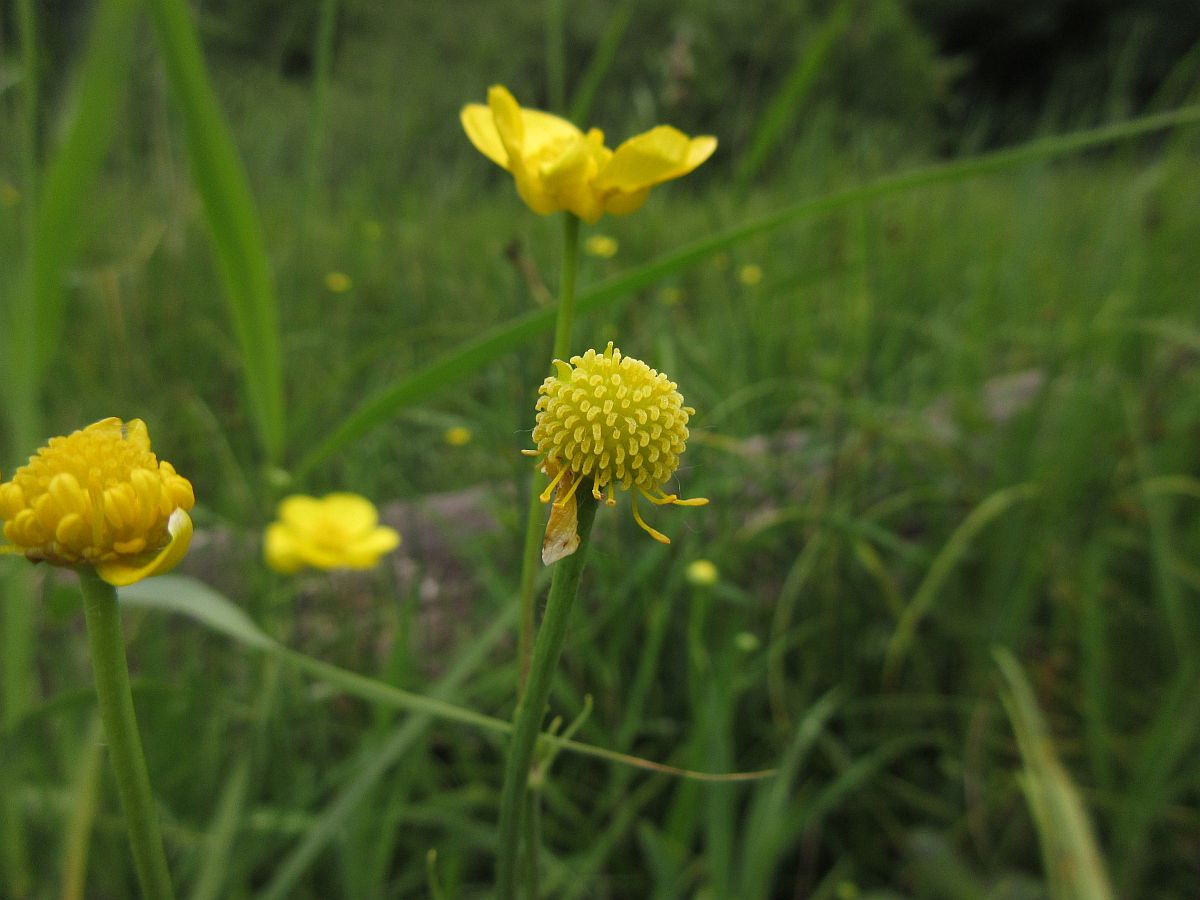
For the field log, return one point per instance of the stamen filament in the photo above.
(549, 491)
(637, 517)
(562, 501)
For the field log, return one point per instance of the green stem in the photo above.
(527, 721)
(533, 521)
(566, 287)
(107, 646)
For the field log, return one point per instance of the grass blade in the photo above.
(462, 362)
(1073, 863)
(785, 108)
(220, 838)
(955, 548)
(601, 61)
(232, 221)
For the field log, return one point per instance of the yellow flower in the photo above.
(99, 497)
(750, 274)
(337, 531)
(9, 195)
(558, 167)
(338, 282)
(458, 436)
(671, 296)
(616, 421)
(601, 245)
(372, 230)
(702, 573)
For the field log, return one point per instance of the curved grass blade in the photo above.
(232, 218)
(783, 110)
(955, 548)
(601, 61)
(1074, 866)
(464, 361)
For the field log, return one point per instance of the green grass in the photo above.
(882, 519)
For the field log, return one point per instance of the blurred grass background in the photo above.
(946, 419)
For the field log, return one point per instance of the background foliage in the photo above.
(949, 418)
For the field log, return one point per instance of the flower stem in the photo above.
(111, 672)
(527, 720)
(533, 532)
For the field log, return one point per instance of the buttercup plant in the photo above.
(557, 167)
(582, 430)
(100, 502)
(614, 421)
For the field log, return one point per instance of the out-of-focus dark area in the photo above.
(996, 70)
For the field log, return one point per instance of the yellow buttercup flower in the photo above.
(601, 246)
(702, 573)
(458, 436)
(750, 274)
(613, 420)
(558, 167)
(99, 497)
(338, 282)
(337, 531)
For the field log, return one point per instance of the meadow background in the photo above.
(934, 299)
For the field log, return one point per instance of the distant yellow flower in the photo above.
(337, 531)
(671, 296)
(9, 195)
(601, 245)
(338, 282)
(558, 167)
(99, 497)
(750, 274)
(702, 573)
(372, 230)
(458, 436)
(616, 421)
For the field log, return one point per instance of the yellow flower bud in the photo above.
(601, 246)
(702, 573)
(100, 497)
(458, 436)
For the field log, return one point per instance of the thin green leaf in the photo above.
(943, 564)
(219, 841)
(232, 220)
(601, 61)
(1074, 866)
(786, 106)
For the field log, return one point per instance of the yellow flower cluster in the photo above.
(616, 420)
(337, 531)
(558, 167)
(99, 497)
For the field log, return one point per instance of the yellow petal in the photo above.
(622, 204)
(126, 571)
(351, 512)
(510, 128)
(544, 130)
(655, 156)
(480, 126)
(279, 549)
(299, 511)
(365, 553)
